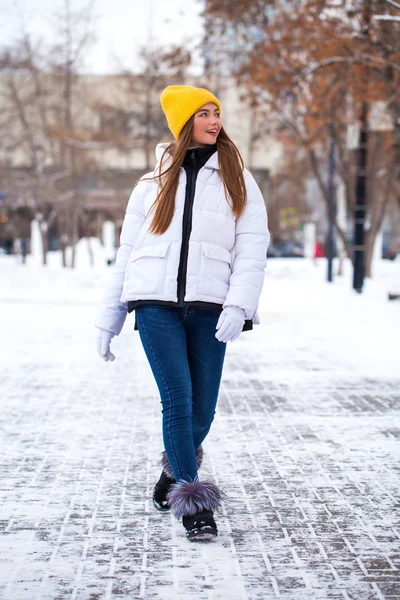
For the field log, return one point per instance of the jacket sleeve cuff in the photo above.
(111, 320)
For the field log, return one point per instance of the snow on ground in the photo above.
(359, 332)
(305, 443)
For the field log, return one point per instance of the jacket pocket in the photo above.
(216, 252)
(147, 268)
(215, 271)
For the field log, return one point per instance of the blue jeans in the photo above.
(186, 360)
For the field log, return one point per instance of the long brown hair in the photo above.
(230, 167)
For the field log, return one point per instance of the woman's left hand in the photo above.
(230, 324)
(103, 345)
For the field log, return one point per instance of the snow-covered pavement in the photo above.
(305, 444)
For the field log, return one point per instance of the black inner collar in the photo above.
(201, 154)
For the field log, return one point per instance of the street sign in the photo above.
(288, 217)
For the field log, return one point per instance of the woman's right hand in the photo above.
(103, 345)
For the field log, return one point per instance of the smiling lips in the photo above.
(212, 131)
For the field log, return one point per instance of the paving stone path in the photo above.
(306, 450)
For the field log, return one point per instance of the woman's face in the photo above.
(206, 125)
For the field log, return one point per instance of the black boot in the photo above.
(160, 492)
(201, 526)
(195, 502)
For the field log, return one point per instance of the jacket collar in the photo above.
(202, 155)
(212, 162)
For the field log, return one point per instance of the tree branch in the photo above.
(362, 59)
(393, 3)
(391, 18)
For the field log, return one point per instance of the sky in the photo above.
(122, 26)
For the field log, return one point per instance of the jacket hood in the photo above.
(212, 162)
(160, 149)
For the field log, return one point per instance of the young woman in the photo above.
(191, 264)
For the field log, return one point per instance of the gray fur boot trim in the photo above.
(187, 498)
(166, 467)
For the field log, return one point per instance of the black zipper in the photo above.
(186, 228)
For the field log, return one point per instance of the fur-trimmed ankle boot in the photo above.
(195, 502)
(163, 485)
(160, 492)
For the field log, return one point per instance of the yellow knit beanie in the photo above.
(180, 102)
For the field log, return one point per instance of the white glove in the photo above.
(230, 324)
(103, 344)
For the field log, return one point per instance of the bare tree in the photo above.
(27, 106)
(135, 119)
(75, 33)
(42, 109)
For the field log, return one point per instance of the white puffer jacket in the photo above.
(226, 258)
